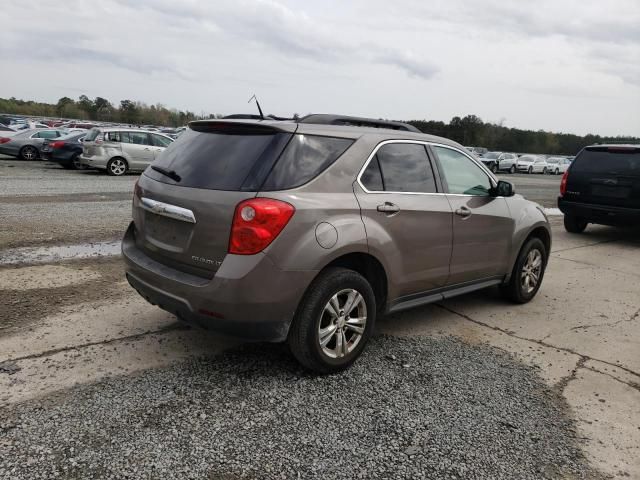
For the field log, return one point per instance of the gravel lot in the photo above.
(409, 409)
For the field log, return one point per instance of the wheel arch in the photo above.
(370, 268)
(539, 231)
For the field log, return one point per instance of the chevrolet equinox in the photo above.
(306, 230)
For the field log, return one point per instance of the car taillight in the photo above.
(563, 183)
(137, 190)
(4, 140)
(57, 144)
(256, 223)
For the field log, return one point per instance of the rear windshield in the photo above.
(610, 161)
(255, 161)
(91, 136)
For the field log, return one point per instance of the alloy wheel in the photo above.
(342, 323)
(117, 166)
(531, 270)
(29, 153)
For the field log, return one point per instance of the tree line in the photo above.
(469, 130)
(472, 131)
(101, 109)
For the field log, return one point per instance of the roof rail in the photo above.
(327, 119)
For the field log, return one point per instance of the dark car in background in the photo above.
(64, 150)
(602, 186)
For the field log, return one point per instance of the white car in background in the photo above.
(532, 164)
(557, 165)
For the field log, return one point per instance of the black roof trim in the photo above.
(327, 119)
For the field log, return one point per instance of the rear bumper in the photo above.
(601, 214)
(249, 296)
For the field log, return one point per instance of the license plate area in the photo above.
(167, 233)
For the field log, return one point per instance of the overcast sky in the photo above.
(561, 65)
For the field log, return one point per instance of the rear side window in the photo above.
(115, 136)
(615, 161)
(305, 157)
(160, 141)
(372, 176)
(405, 167)
(221, 161)
(139, 138)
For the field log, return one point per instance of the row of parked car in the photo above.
(115, 150)
(525, 163)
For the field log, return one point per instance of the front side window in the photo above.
(463, 176)
(160, 141)
(405, 167)
(139, 138)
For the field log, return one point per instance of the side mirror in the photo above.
(503, 189)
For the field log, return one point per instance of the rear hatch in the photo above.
(605, 175)
(185, 202)
(91, 141)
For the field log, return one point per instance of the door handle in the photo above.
(388, 208)
(464, 212)
(147, 148)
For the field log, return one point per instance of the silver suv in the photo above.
(118, 150)
(307, 231)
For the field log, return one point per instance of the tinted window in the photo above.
(220, 161)
(303, 159)
(463, 176)
(372, 177)
(616, 161)
(160, 141)
(406, 168)
(139, 138)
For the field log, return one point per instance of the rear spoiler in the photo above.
(242, 127)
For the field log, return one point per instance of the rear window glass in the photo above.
(91, 136)
(622, 161)
(220, 161)
(304, 158)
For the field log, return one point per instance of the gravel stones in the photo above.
(459, 411)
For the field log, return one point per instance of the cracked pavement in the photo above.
(77, 321)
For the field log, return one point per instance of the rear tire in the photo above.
(544, 171)
(521, 287)
(311, 339)
(557, 172)
(29, 153)
(574, 224)
(494, 168)
(117, 166)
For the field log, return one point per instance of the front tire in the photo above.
(557, 172)
(494, 168)
(544, 171)
(117, 166)
(333, 322)
(574, 224)
(530, 170)
(29, 153)
(512, 170)
(527, 273)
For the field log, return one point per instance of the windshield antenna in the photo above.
(258, 104)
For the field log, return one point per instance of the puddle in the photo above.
(55, 254)
(553, 211)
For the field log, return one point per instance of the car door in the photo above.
(407, 217)
(482, 224)
(138, 150)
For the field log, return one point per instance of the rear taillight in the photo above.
(4, 140)
(57, 144)
(137, 190)
(563, 183)
(256, 223)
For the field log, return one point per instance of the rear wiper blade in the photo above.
(167, 173)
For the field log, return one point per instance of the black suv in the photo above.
(602, 186)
